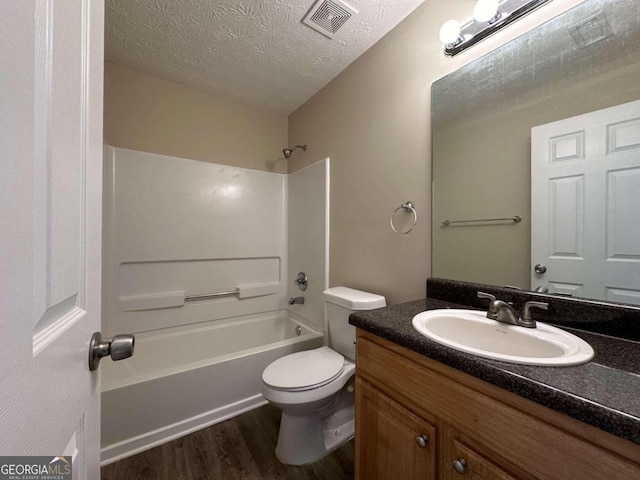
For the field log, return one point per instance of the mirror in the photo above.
(546, 128)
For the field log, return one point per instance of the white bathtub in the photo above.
(183, 379)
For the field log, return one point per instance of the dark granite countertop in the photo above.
(604, 393)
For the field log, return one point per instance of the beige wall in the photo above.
(145, 112)
(373, 120)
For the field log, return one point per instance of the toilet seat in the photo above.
(304, 370)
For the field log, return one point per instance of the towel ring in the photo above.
(409, 207)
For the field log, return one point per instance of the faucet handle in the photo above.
(487, 296)
(526, 313)
(493, 310)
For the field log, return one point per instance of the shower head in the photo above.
(288, 151)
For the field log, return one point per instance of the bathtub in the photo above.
(184, 379)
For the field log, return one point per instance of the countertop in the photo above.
(604, 393)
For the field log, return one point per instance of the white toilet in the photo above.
(315, 388)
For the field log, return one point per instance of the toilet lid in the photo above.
(304, 369)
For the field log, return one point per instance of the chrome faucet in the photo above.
(501, 311)
(296, 300)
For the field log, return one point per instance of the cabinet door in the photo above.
(391, 442)
(466, 464)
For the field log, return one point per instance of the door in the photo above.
(585, 192)
(50, 227)
(391, 442)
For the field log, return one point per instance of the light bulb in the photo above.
(450, 31)
(485, 10)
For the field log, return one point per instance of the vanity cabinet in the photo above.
(399, 445)
(419, 419)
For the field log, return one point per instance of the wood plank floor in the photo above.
(241, 448)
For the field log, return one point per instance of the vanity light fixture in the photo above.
(489, 17)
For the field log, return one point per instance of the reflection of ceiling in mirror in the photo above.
(561, 48)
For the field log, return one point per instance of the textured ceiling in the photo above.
(257, 52)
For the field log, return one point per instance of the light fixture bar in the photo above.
(474, 31)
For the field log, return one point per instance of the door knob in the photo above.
(540, 268)
(118, 347)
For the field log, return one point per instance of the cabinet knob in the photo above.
(422, 441)
(459, 465)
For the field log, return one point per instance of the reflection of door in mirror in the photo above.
(585, 205)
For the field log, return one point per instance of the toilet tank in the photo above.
(340, 302)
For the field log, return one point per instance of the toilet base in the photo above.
(305, 439)
(338, 436)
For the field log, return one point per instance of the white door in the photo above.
(585, 194)
(51, 64)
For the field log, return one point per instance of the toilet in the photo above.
(315, 388)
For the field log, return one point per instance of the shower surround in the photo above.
(177, 229)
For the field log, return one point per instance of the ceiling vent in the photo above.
(327, 16)
(591, 30)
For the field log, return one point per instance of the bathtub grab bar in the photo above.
(204, 296)
(180, 298)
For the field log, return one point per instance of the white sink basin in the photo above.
(472, 332)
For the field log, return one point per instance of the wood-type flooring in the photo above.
(241, 448)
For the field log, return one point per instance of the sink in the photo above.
(472, 332)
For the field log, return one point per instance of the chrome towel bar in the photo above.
(514, 219)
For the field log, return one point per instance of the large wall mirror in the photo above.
(545, 129)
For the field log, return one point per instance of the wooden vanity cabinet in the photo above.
(395, 443)
(419, 419)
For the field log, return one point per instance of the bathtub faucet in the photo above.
(296, 300)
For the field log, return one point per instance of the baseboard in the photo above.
(127, 448)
